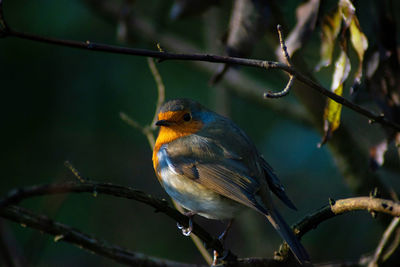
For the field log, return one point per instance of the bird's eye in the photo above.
(187, 117)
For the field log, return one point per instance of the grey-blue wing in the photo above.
(206, 163)
(275, 184)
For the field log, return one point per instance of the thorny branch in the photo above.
(9, 32)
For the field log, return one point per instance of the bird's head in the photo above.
(181, 117)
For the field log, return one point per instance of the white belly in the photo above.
(195, 197)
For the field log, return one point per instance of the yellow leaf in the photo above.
(360, 44)
(330, 30)
(342, 70)
(333, 109)
(347, 11)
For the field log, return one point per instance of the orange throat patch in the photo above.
(168, 134)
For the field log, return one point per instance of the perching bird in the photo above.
(207, 164)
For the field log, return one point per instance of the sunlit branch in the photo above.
(338, 207)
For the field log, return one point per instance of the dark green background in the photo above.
(59, 104)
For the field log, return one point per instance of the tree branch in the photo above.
(15, 196)
(286, 56)
(9, 32)
(68, 234)
(62, 232)
(378, 257)
(339, 207)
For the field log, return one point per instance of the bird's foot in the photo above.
(215, 259)
(187, 231)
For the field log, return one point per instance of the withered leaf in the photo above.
(360, 44)
(330, 30)
(333, 109)
(306, 15)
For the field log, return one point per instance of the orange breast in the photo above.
(173, 132)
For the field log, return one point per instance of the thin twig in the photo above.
(285, 53)
(378, 255)
(68, 234)
(395, 244)
(282, 93)
(160, 89)
(75, 172)
(17, 195)
(145, 130)
(208, 58)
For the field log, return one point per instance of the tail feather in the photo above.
(287, 234)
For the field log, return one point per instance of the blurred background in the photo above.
(60, 104)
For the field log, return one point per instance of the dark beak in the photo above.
(163, 123)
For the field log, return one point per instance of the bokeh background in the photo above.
(60, 104)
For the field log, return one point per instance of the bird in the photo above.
(211, 168)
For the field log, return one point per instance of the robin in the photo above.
(207, 164)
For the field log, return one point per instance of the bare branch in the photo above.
(160, 88)
(68, 234)
(282, 93)
(285, 53)
(341, 206)
(75, 172)
(378, 255)
(65, 233)
(15, 196)
(338, 207)
(145, 130)
(87, 45)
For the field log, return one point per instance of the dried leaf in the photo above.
(330, 30)
(376, 154)
(333, 109)
(247, 25)
(360, 44)
(306, 15)
(347, 10)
